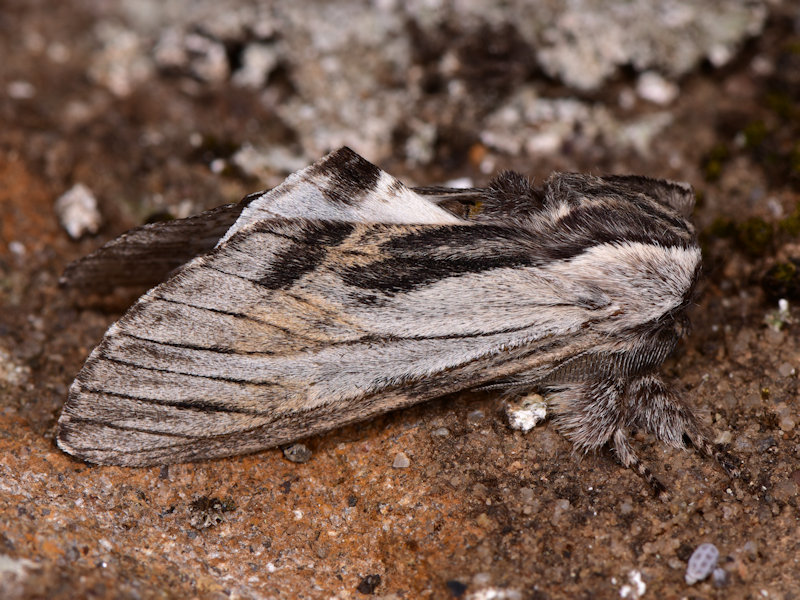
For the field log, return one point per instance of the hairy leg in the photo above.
(594, 414)
(652, 405)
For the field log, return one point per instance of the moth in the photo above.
(342, 294)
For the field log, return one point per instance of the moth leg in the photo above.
(587, 414)
(655, 407)
(628, 457)
(592, 415)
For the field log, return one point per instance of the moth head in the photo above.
(680, 315)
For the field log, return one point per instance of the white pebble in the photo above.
(77, 211)
(524, 414)
(636, 587)
(20, 90)
(656, 89)
(401, 461)
(258, 61)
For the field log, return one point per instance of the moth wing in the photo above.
(293, 327)
(203, 315)
(341, 186)
(146, 255)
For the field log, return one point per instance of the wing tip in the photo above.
(68, 439)
(63, 439)
(348, 170)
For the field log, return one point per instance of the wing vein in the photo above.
(203, 407)
(160, 370)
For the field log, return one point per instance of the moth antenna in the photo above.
(628, 457)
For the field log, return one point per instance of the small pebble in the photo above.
(720, 577)
(297, 453)
(725, 437)
(787, 423)
(77, 211)
(17, 248)
(636, 586)
(258, 61)
(525, 413)
(750, 549)
(654, 88)
(674, 563)
(20, 90)
(765, 444)
(742, 444)
(475, 416)
(795, 476)
(786, 370)
(401, 461)
(751, 401)
(701, 563)
(561, 506)
(440, 432)
(773, 337)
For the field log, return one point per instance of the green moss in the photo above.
(782, 281)
(212, 146)
(791, 224)
(755, 133)
(722, 227)
(781, 104)
(794, 160)
(792, 46)
(161, 216)
(699, 198)
(754, 236)
(228, 504)
(714, 161)
(205, 503)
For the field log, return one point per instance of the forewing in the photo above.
(293, 327)
(340, 187)
(343, 186)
